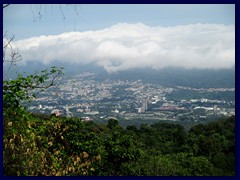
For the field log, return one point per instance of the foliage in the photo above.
(37, 145)
(25, 88)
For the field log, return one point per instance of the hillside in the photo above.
(169, 76)
(43, 145)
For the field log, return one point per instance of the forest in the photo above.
(42, 145)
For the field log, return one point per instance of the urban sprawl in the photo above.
(87, 97)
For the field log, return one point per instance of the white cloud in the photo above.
(125, 46)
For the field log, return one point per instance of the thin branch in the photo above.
(13, 54)
(63, 15)
(9, 41)
(6, 5)
(46, 86)
(34, 19)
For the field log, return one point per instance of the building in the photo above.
(116, 111)
(140, 110)
(56, 112)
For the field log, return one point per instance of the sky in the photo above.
(120, 37)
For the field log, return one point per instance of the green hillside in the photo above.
(43, 145)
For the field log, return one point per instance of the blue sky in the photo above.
(121, 37)
(24, 21)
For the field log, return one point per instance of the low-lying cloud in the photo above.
(125, 46)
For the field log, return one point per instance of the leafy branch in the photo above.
(26, 88)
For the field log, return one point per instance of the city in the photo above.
(88, 97)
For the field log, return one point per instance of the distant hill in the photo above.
(197, 78)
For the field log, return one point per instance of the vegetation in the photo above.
(42, 145)
(177, 95)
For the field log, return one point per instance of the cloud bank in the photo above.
(125, 46)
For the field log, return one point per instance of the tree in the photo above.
(119, 151)
(23, 87)
(21, 153)
(112, 123)
(131, 128)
